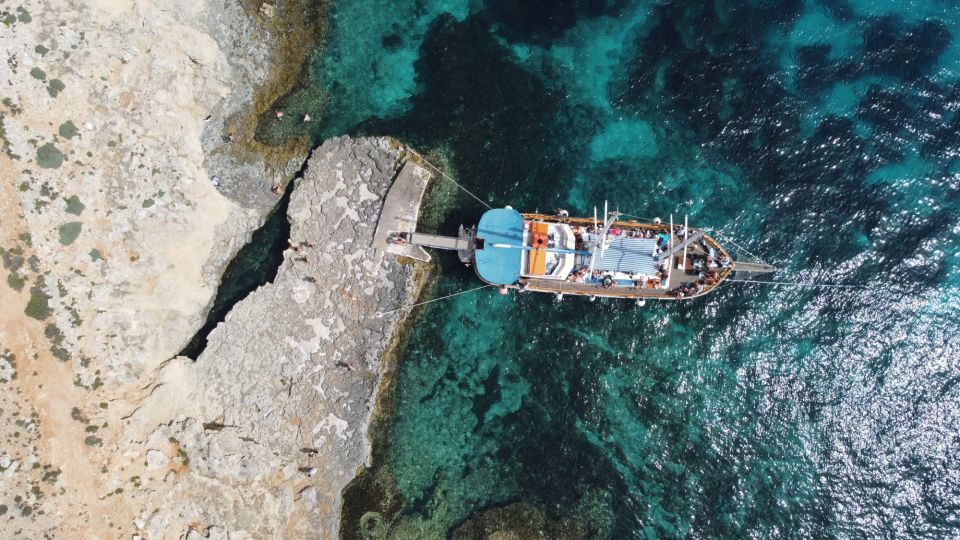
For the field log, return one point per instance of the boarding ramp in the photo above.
(400, 212)
(436, 241)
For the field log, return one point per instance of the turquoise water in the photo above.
(822, 135)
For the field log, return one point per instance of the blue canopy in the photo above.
(628, 255)
(500, 265)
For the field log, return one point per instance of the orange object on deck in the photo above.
(537, 262)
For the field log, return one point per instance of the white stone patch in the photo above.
(321, 330)
(311, 346)
(348, 211)
(156, 460)
(300, 294)
(333, 424)
(366, 194)
(319, 387)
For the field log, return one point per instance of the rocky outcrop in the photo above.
(113, 237)
(273, 415)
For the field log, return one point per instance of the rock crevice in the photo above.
(294, 366)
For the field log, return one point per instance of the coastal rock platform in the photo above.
(272, 417)
(116, 117)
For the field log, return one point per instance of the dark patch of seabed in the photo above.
(254, 265)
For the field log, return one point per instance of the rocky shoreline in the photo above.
(113, 243)
(275, 411)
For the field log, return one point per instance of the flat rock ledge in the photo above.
(259, 437)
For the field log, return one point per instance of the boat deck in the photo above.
(634, 254)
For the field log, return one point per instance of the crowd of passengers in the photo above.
(606, 279)
(650, 234)
(693, 288)
(702, 262)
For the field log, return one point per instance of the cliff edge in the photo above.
(273, 416)
(114, 234)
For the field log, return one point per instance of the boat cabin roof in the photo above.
(500, 265)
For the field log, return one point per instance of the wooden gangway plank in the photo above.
(439, 242)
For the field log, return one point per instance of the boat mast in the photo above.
(670, 247)
(548, 250)
(686, 234)
(608, 220)
(592, 258)
(603, 237)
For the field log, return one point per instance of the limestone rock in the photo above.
(112, 124)
(156, 460)
(286, 382)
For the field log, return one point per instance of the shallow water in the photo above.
(821, 135)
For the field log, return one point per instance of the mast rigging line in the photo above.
(445, 175)
(710, 229)
(734, 244)
(411, 306)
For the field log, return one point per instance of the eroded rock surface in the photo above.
(273, 415)
(113, 237)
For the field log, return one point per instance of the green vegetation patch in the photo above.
(38, 73)
(10, 369)
(69, 232)
(95, 255)
(14, 107)
(49, 156)
(67, 130)
(74, 206)
(55, 87)
(12, 258)
(92, 441)
(51, 476)
(39, 305)
(24, 15)
(147, 203)
(41, 50)
(16, 282)
(55, 336)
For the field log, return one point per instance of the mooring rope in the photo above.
(638, 217)
(795, 283)
(736, 245)
(411, 306)
(445, 175)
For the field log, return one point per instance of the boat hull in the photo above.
(682, 272)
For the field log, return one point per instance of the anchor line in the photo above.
(736, 245)
(717, 231)
(796, 284)
(445, 175)
(411, 306)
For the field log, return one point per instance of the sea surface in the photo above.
(821, 136)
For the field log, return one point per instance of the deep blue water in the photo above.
(822, 135)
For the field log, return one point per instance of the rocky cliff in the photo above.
(272, 417)
(115, 117)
